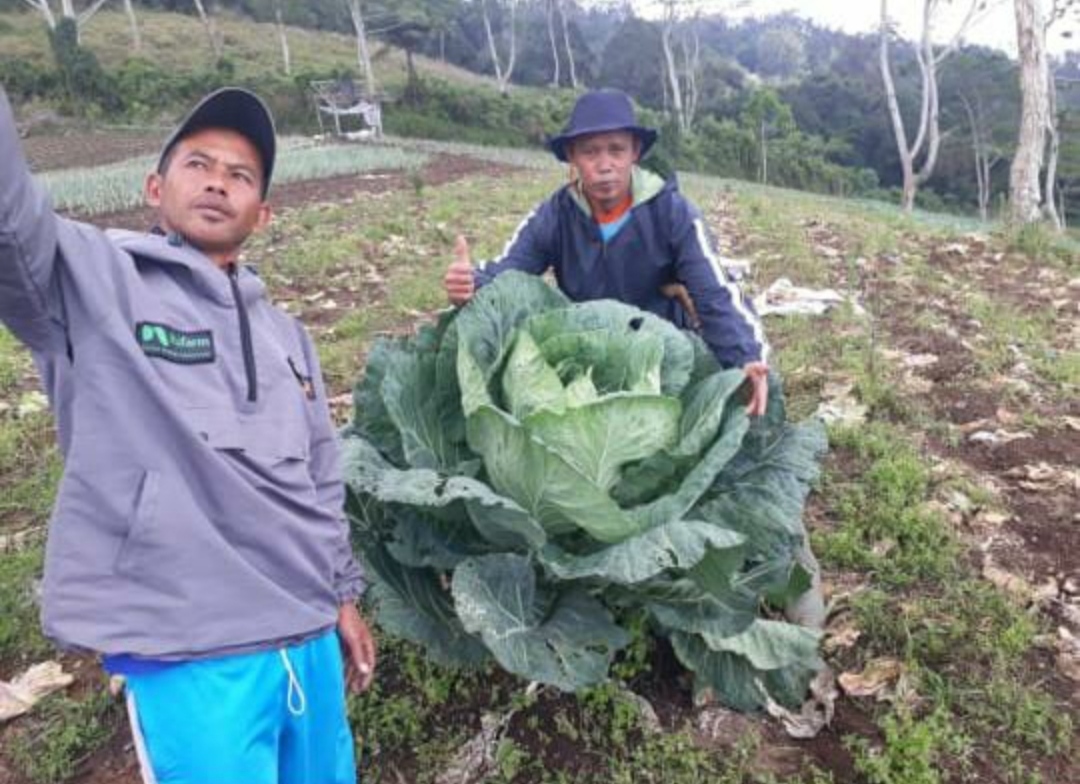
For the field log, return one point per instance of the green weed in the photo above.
(61, 733)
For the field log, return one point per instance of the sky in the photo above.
(996, 28)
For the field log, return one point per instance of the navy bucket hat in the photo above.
(601, 111)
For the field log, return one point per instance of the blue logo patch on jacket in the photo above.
(175, 345)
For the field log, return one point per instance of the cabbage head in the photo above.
(528, 472)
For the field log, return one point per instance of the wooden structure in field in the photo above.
(341, 98)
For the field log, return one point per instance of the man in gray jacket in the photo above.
(198, 541)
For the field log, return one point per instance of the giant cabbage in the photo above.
(528, 471)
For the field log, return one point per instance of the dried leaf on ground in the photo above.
(1068, 654)
(718, 727)
(874, 681)
(815, 714)
(23, 692)
(842, 632)
(1043, 476)
(1017, 586)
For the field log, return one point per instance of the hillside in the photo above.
(178, 43)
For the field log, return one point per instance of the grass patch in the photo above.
(30, 469)
(884, 526)
(21, 640)
(61, 733)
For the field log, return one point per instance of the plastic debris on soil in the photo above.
(784, 298)
(839, 406)
(21, 694)
(997, 437)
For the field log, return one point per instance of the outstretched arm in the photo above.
(29, 294)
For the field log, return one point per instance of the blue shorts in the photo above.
(272, 717)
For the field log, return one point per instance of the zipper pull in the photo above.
(304, 381)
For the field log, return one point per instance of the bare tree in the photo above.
(929, 57)
(690, 46)
(362, 54)
(211, 30)
(1058, 12)
(286, 60)
(551, 4)
(133, 23)
(502, 73)
(67, 11)
(559, 4)
(674, 86)
(987, 156)
(1024, 186)
(679, 40)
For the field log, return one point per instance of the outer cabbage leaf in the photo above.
(566, 640)
(735, 682)
(678, 545)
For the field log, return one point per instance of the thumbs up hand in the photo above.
(458, 280)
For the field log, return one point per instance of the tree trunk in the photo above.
(691, 63)
(1024, 186)
(982, 174)
(666, 35)
(907, 201)
(133, 23)
(286, 60)
(551, 38)
(211, 32)
(502, 75)
(566, 44)
(412, 84)
(363, 57)
(1050, 183)
(512, 58)
(764, 153)
(496, 62)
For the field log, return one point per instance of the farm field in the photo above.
(947, 519)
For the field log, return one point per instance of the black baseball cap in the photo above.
(235, 109)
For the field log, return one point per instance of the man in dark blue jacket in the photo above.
(620, 232)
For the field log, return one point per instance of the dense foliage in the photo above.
(839, 139)
(529, 475)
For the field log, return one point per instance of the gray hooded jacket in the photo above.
(200, 511)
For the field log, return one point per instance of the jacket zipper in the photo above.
(245, 337)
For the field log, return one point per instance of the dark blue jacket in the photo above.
(665, 241)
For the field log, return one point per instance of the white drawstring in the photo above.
(295, 690)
